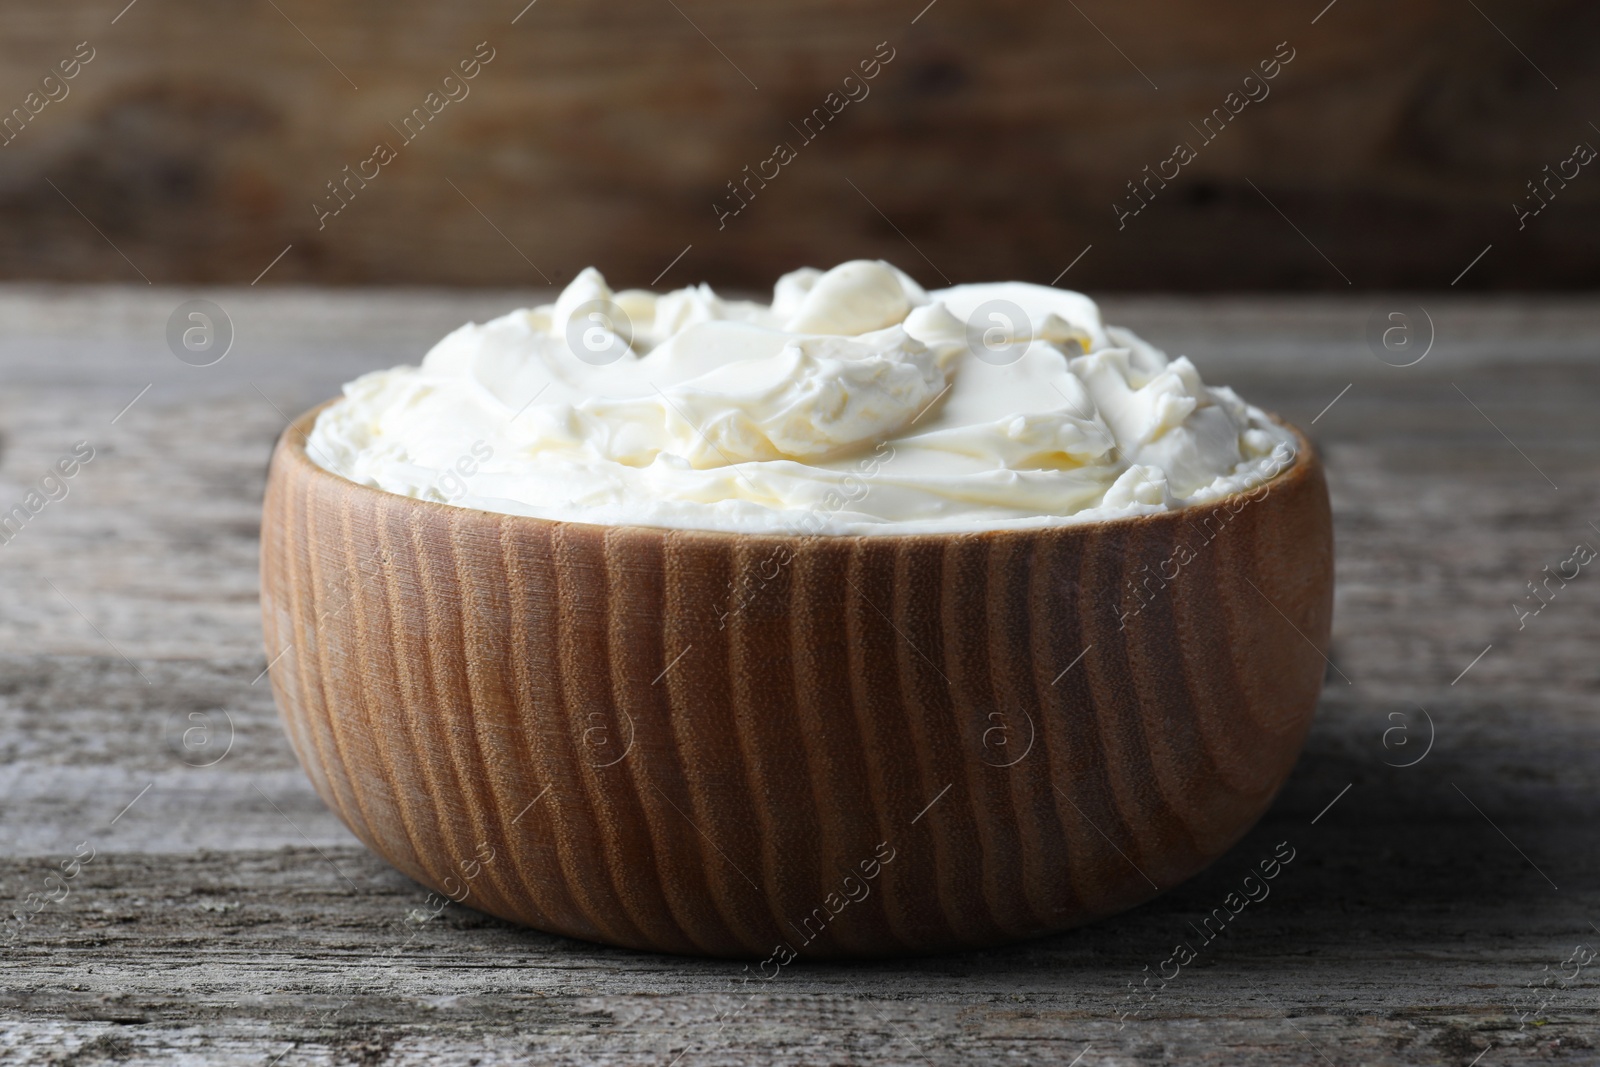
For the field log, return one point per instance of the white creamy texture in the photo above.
(856, 403)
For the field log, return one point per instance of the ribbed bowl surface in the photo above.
(743, 745)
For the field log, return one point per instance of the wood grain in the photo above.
(881, 745)
(996, 142)
(1410, 932)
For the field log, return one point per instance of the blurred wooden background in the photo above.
(996, 141)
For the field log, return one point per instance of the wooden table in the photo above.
(1431, 913)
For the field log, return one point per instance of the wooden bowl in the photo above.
(774, 746)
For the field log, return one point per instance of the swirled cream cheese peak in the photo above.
(855, 403)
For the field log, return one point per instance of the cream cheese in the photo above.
(855, 403)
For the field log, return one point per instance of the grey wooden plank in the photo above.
(228, 917)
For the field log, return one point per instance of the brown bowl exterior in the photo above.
(776, 746)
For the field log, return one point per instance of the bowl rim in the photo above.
(292, 442)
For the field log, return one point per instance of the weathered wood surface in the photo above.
(997, 138)
(229, 918)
